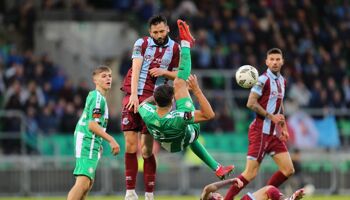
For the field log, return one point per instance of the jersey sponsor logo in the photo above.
(187, 115)
(275, 93)
(137, 50)
(157, 61)
(125, 121)
(96, 113)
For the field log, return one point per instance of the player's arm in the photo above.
(136, 69)
(205, 112)
(284, 128)
(170, 74)
(213, 187)
(98, 130)
(254, 105)
(148, 100)
(156, 72)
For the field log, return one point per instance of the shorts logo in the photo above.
(91, 170)
(188, 104)
(125, 121)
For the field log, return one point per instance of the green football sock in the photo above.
(185, 63)
(203, 154)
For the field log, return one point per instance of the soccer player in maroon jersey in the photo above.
(268, 132)
(268, 192)
(153, 59)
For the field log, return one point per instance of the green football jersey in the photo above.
(87, 144)
(174, 131)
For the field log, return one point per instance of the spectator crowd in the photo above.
(314, 36)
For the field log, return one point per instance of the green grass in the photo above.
(160, 198)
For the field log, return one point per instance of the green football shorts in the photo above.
(86, 167)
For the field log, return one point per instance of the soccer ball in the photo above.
(247, 76)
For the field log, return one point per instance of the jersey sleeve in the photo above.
(96, 105)
(175, 59)
(185, 110)
(145, 110)
(183, 118)
(259, 85)
(137, 51)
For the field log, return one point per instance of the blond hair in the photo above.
(100, 69)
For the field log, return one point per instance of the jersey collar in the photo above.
(272, 75)
(153, 44)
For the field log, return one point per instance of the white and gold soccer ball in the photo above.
(247, 76)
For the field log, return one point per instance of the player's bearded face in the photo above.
(274, 62)
(159, 33)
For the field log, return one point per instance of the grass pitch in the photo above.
(334, 197)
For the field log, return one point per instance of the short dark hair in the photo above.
(163, 95)
(157, 19)
(274, 51)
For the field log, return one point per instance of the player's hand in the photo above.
(216, 196)
(282, 131)
(115, 147)
(237, 182)
(133, 103)
(284, 136)
(156, 72)
(278, 119)
(193, 83)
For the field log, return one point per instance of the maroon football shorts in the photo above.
(261, 144)
(131, 121)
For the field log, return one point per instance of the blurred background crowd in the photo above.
(314, 36)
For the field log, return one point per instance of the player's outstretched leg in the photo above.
(185, 58)
(221, 172)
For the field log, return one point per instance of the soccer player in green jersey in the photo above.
(177, 129)
(89, 133)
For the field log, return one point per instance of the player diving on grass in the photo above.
(177, 129)
(268, 192)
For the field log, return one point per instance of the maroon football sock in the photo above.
(131, 167)
(234, 190)
(277, 179)
(149, 174)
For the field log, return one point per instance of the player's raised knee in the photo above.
(179, 83)
(290, 171)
